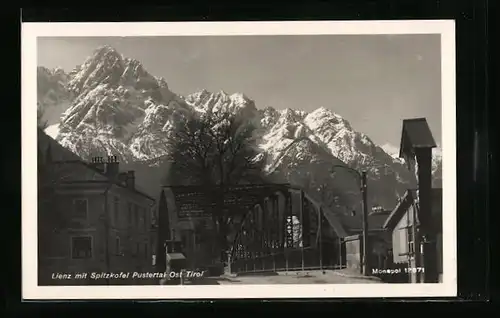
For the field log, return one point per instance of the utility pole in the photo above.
(366, 247)
(365, 259)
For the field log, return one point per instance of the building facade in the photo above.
(425, 226)
(91, 220)
(407, 241)
(379, 240)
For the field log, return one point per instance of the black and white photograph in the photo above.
(315, 157)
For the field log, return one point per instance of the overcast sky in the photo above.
(373, 81)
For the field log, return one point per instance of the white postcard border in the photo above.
(30, 32)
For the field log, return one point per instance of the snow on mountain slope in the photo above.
(111, 105)
(237, 104)
(335, 143)
(437, 161)
(53, 95)
(149, 140)
(52, 130)
(111, 98)
(437, 167)
(391, 150)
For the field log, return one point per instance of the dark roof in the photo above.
(61, 155)
(353, 224)
(175, 256)
(415, 134)
(57, 151)
(199, 198)
(109, 181)
(115, 181)
(399, 210)
(330, 216)
(409, 197)
(334, 222)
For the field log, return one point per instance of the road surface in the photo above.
(313, 277)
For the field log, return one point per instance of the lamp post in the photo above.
(364, 191)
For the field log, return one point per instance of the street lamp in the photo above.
(363, 187)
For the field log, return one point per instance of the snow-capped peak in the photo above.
(437, 155)
(58, 69)
(113, 105)
(105, 66)
(197, 97)
(437, 152)
(106, 51)
(391, 150)
(327, 116)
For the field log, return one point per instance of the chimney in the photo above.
(130, 179)
(112, 169)
(122, 178)
(98, 164)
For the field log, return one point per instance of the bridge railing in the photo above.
(308, 258)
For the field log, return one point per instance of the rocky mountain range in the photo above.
(111, 105)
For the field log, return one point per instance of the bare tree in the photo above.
(321, 189)
(215, 151)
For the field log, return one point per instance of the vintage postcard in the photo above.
(238, 160)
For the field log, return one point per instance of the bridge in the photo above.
(272, 227)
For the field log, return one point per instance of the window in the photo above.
(117, 246)
(80, 208)
(129, 208)
(136, 215)
(141, 218)
(410, 240)
(81, 247)
(134, 249)
(198, 237)
(116, 209)
(146, 223)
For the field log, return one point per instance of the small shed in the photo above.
(176, 262)
(175, 256)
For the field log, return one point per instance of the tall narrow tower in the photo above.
(416, 148)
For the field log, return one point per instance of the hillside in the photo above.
(111, 105)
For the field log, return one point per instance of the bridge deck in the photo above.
(307, 277)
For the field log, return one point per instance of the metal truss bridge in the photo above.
(275, 227)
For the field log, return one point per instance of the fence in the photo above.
(308, 258)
